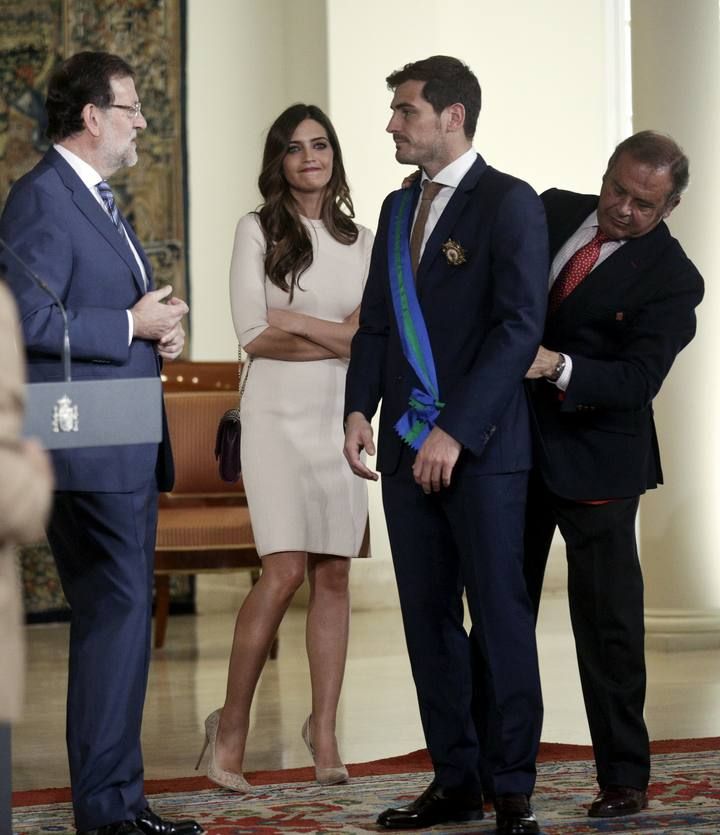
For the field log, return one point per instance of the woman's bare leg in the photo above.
(328, 623)
(255, 628)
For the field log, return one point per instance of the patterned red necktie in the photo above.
(575, 270)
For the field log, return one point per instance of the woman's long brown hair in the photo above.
(289, 252)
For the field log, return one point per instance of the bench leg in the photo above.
(162, 607)
(254, 577)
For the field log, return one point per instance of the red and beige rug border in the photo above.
(415, 761)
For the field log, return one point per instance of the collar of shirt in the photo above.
(450, 178)
(84, 170)
(583, 235)
(452, 174)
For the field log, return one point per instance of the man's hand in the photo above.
(435, 461)
(543, 365)
(359, 437)
(154, 320)
(170, 347)
(410, 179)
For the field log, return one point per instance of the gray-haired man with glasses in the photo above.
(62, 220)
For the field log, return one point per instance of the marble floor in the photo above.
(378, 713)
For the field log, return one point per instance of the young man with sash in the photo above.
(451, 317)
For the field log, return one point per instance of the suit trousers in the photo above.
(479, 695)
(605, 592)
(104, 546)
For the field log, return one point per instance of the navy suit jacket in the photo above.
(57, 227)
(484, 319)
(623, 327)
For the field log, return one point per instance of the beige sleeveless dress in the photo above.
(301, 493)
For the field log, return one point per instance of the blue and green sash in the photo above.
(415, 425)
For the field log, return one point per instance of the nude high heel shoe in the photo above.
(324, 776)
(226, 779)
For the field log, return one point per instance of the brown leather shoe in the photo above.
(614, 801)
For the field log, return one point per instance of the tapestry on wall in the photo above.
(35, 35)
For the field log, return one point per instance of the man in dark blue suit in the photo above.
(62, 220)
(452, 312)
(622, 306)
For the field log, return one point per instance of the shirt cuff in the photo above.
(131, 327)
(563, 381)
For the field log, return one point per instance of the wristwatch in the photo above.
(558, 370)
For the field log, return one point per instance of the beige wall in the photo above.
(676, 68)
(247, 61)
(533, 123)
(681, 520)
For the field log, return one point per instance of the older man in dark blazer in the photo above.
(453, 308)
(621, 307)
(62, 220)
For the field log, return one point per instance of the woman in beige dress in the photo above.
(298, 270)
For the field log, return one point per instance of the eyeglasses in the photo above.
(134, 109)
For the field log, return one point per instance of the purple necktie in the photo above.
(109, 200)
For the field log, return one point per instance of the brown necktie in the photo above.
(576, 269)
(429, 193)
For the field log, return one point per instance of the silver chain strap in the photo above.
(242, 380)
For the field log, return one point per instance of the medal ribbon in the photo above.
(414, 426)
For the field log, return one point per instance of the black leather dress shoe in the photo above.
(435, 805)
(514, 815)
(151, 824)
(614, 801)
(118, 828)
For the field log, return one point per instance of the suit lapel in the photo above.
(618, 269)
(141, 253)
(564, 229)
(92, 210)
(450, 215)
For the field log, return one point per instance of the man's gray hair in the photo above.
(659, 151)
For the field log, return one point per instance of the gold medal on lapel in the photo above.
(454, 253)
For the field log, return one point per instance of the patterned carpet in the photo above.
(684, 800)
